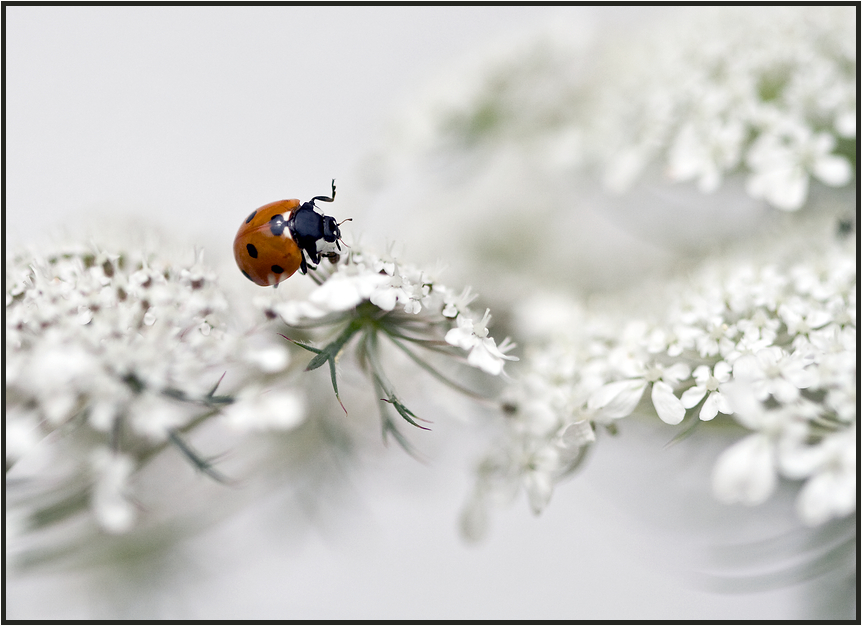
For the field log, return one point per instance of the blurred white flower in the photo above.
(22, 434)
(773, 372)
(724, 89)
(269, 409)
(113, 510)
(116, 354)
(268, 358)
(745, 472)
(768, 93)
(781, 165)
(744, 336)
(830, 468)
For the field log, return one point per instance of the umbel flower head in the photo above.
(769, 92)
(114, 357)
(111, 356)
(703, 94)
(365, 297)
(765, 341)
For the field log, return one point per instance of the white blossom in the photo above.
(619, 399)
(745, 339)
(473, 336)
(830, 468)
(773, 372)
(765, 94)
(390, 284)
(781, 165)
(115, 354)
(709, 386)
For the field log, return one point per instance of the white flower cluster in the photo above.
(117, 353)
(702, 94)
(393, 286)
(771, 343)
(768, 91)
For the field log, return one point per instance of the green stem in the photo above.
(334, 348)
(372, 350)
(439, 375)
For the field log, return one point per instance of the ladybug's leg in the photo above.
(324, 198)
(310, 260)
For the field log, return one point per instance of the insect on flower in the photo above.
(284, 236)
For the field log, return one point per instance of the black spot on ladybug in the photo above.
(251, 217)
(244, 273)
(278, 269)
(277, 225)
(252, 251)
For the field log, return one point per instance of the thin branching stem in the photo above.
(372, 350)
(439, 375)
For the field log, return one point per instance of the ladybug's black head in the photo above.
(331, 232)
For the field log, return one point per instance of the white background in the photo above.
(192, 115)
(189, 117)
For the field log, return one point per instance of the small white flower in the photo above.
(708, 384)
(539, 463)
(801, 317)
(484, 352)
(759, 327)
(619, 399)
(772, 371)
(469, 333)
(490, 358)
(830, 468)
(781, 165)
(717, 338)
(539, 486)
(456, 304)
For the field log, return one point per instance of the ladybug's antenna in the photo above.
(324, 198)
(349, 219)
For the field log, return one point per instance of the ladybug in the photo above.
(284, 236)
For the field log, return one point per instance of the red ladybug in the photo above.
(284, 236)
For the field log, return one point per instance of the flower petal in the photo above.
(618, 399)
(668, 406)
(710, 408)
(690, 397)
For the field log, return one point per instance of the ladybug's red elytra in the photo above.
(284, 236)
